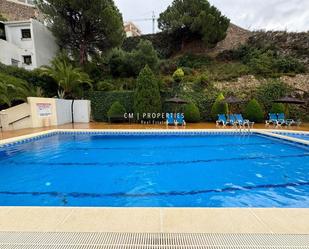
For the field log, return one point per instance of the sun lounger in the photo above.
(170, 119)
(273, 119)
(283, 121)
(180, 120)
(241, 121)
(221, 120)
(231, 119)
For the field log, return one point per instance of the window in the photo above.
(14, 62)
(25, 34)
(27, 59)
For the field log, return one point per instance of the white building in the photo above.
(27, 44)
(132, 30)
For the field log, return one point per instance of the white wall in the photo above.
(45, 46)
(63, 107)
(13, 34)
(82, 110)
(8, 52)
(41, 46)
(26, 46)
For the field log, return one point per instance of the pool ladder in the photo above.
(244, 129)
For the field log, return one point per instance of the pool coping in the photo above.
(270, 133)
(155, 220)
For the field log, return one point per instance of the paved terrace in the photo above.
(152, 220)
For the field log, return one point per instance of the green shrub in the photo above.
(219, 107)
(193, 61)
(34, 79)
(168, 66)
(289, 65)
(270, 91)
(147, 97)
(178, 75)
(226, 71)
(116, 109)
(164, 43)
(105, 86)
(277, 108)
(144, 55)
(260, 62)
(192, 113)
(102, 101)
(254, 111)
(119, 63)
(129, 64)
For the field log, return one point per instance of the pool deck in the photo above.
(154, 220)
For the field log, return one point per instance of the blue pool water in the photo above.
(155, 171)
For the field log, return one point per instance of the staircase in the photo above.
(17, 117)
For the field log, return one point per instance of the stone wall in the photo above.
(246, 83)
(17, 12)
(235, 37)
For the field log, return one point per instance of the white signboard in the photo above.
(44, 109)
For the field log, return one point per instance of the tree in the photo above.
(219, 107)
(147, 97)
(145, 54)
(69, 79)
(116, 109)
(128, 64)
(254, 111)
(192, 113)
(277, 108)
(12, 89)
(84, 26)
(189, 19)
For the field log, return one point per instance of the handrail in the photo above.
(19, 119)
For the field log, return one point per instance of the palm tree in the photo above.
(12, 88)
(70, 79)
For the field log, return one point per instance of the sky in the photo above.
(291, 15)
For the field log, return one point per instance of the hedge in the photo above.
(102, 101)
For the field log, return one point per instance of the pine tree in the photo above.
(147, 97)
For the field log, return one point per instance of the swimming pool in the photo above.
(155, 170)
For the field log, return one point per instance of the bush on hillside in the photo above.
(147, 97)
(178, 75)
(105, 86)
(34, 79)
(129, 64)
(270, 91)
(192, 113)
(219, 107)
(193, 61)
(277, 108)
(144, 55)
(254, 111)
(116, 110)
(289, 65)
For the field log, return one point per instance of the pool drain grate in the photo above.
(22, 240)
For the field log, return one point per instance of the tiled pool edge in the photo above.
(270, 133)
(157, 220)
